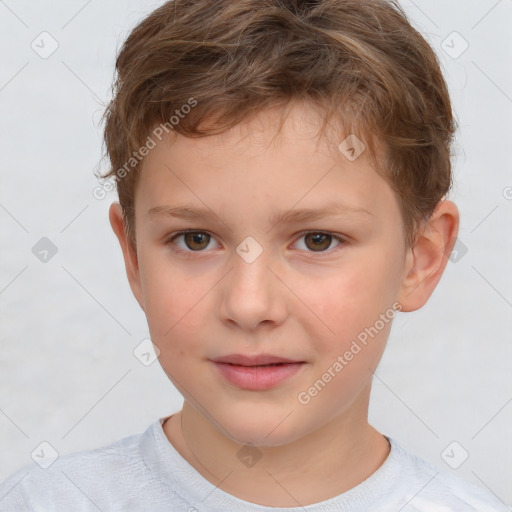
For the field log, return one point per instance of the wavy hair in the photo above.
(360, 63)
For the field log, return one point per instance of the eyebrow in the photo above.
(289, 216)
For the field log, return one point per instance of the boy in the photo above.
(261, 130)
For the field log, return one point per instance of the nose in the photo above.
(254, 293)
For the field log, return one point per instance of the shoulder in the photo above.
(428, 487)
(80, 478)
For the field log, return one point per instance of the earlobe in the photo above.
(129, 254)
(427, 258)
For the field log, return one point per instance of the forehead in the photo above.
(277, 126)
(261, 163)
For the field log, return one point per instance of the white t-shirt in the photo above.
(144, 472)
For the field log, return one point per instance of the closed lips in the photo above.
(257, 360)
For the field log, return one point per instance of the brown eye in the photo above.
(193, 241)
(318, 241)
(196, 241)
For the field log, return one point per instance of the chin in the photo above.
(261, 431)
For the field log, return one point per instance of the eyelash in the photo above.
(190, 253)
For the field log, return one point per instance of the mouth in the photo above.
(256, 360)
(257, 373)
(259, 365)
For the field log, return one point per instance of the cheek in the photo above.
(172, 301)
(351, 301)
(346, 358)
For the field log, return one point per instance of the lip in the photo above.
(256, 360)
(247, 372)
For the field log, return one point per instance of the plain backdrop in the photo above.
(69, 325)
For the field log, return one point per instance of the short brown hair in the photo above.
(360, 61)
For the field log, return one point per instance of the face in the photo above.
(257, 277)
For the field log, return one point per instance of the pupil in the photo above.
(196, 238)
(318, 238)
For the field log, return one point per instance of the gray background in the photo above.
(69, 325)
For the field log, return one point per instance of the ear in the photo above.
(115, 215)
(427, 258)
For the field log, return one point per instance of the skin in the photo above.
(294, 300)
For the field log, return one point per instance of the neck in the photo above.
(327, 462)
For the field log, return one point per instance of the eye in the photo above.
(318, 241)
(196, 241)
